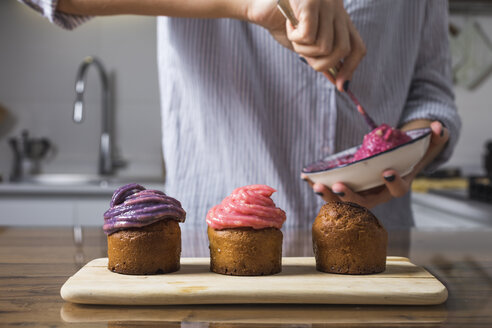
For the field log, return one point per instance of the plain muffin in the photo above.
(349, 239)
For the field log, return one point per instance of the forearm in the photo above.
(178, 8)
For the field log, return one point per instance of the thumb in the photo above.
(439, 138)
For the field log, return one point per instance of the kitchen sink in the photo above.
(85, 179)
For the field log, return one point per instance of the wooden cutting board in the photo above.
(255, 315)
(402, 283)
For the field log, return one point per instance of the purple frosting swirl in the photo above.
(133, 206)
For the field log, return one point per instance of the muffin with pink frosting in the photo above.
(143, 231)
(244, 233)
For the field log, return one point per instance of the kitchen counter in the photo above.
(80, 199)
(446, 210)
(35, 262)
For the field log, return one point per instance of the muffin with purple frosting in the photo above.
(143, 231)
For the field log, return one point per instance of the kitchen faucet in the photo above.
(107, 163)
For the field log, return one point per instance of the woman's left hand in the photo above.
(394, 185)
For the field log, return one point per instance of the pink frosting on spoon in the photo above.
(248, 206)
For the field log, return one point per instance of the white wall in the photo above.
(475, 108)
(38, 64)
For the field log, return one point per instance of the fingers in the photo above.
(396, 186)
(326, 37)
(324, 192)
(347, 195)
(305, 178)
(341, 49)
(308, 14)
(440, 135)
(368, 199)
(320, 189)
(439, 138)
(322, 45)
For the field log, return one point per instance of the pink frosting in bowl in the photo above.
(383, 138)
(248, 206)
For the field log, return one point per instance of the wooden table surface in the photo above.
(35, 262)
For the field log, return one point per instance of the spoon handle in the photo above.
(362, 111)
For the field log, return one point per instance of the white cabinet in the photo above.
(35, 205)
(36, 210)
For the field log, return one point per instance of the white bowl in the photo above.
(367, 173)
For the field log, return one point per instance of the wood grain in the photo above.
(266, 316)
(299, 282)
(35, 262)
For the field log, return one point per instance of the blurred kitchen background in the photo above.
(56, 162)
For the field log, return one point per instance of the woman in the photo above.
(239, 107)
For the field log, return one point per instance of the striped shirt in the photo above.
(239, 109)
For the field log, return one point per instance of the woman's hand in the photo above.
(325, 35)
(394, 185)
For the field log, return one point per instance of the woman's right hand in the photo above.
(325, 35)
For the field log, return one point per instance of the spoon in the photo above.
(286, 10)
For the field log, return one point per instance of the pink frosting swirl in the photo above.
(383, 138)
(248, 206)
